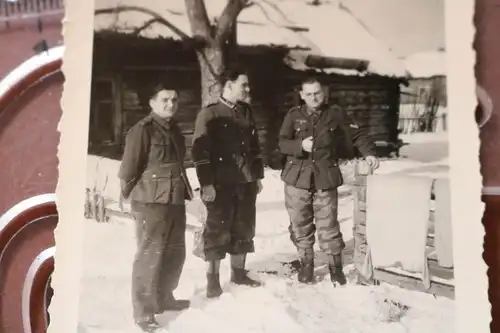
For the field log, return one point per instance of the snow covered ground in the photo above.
(281, 305)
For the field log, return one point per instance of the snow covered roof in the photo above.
(426, 64)
(327, 29)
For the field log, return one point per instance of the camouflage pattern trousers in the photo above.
(310, 211)
(230, 224)
(160, 256)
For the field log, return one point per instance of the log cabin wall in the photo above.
(125, 69)
(373, 102)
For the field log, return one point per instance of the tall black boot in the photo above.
(239, 276)
(213, 285)
(170, 303)
(306, 273)
(213, 279)
(336, 270)
(238, 272)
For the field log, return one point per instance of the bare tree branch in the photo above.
(145, 26)
(228, 19)
(157, 17)
(198, 18)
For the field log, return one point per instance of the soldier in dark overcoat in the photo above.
(313, 137)
(229, 167)
(153, 177)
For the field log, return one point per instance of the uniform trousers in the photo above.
(311, 210)
(230, 223)
(160, 256)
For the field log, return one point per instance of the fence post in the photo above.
(88, 204)
(361, 172)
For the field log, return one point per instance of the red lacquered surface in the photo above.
(23, 238)
(22, 35)
(491, 255)
(28, 129)
(488, 75)
(28, 164)
(28, 143)
(487, 22)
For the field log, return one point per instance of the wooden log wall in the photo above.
(125, 70)
(442, 282)
(373, 105)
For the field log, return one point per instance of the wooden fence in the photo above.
(415, 118)
(408, 125)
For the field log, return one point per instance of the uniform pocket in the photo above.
(300, 128)
(154, 188)
(145, 190)
(291, 172)
(335, 175)
(159, 150)
(163, 187)
(286, 168)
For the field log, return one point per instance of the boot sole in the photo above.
(149, 327)
(247, 285)
(179, 309)
(214, 295)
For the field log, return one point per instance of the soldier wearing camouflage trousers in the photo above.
(313, 137)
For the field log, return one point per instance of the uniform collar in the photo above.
(227, 103)
(167, 122)
(318, 111)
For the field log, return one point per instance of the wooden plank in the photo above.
(360, 250)
(360, 181)
(360, 217)
(430, 240)
(361, 196)
(441, 273)
(412, 283)
(360, 229)
(435, 275)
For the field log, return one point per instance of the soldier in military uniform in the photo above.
(229, 167)
(153, 177)
(313, 137)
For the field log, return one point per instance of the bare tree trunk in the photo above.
(214, 41)
(211, 55)
(212, 65)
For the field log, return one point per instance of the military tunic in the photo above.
(227, 155)
(312, 178)
(153, 177)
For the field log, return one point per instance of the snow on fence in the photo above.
(417, 118)
(442, 278)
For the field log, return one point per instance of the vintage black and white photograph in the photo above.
(268, 166)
